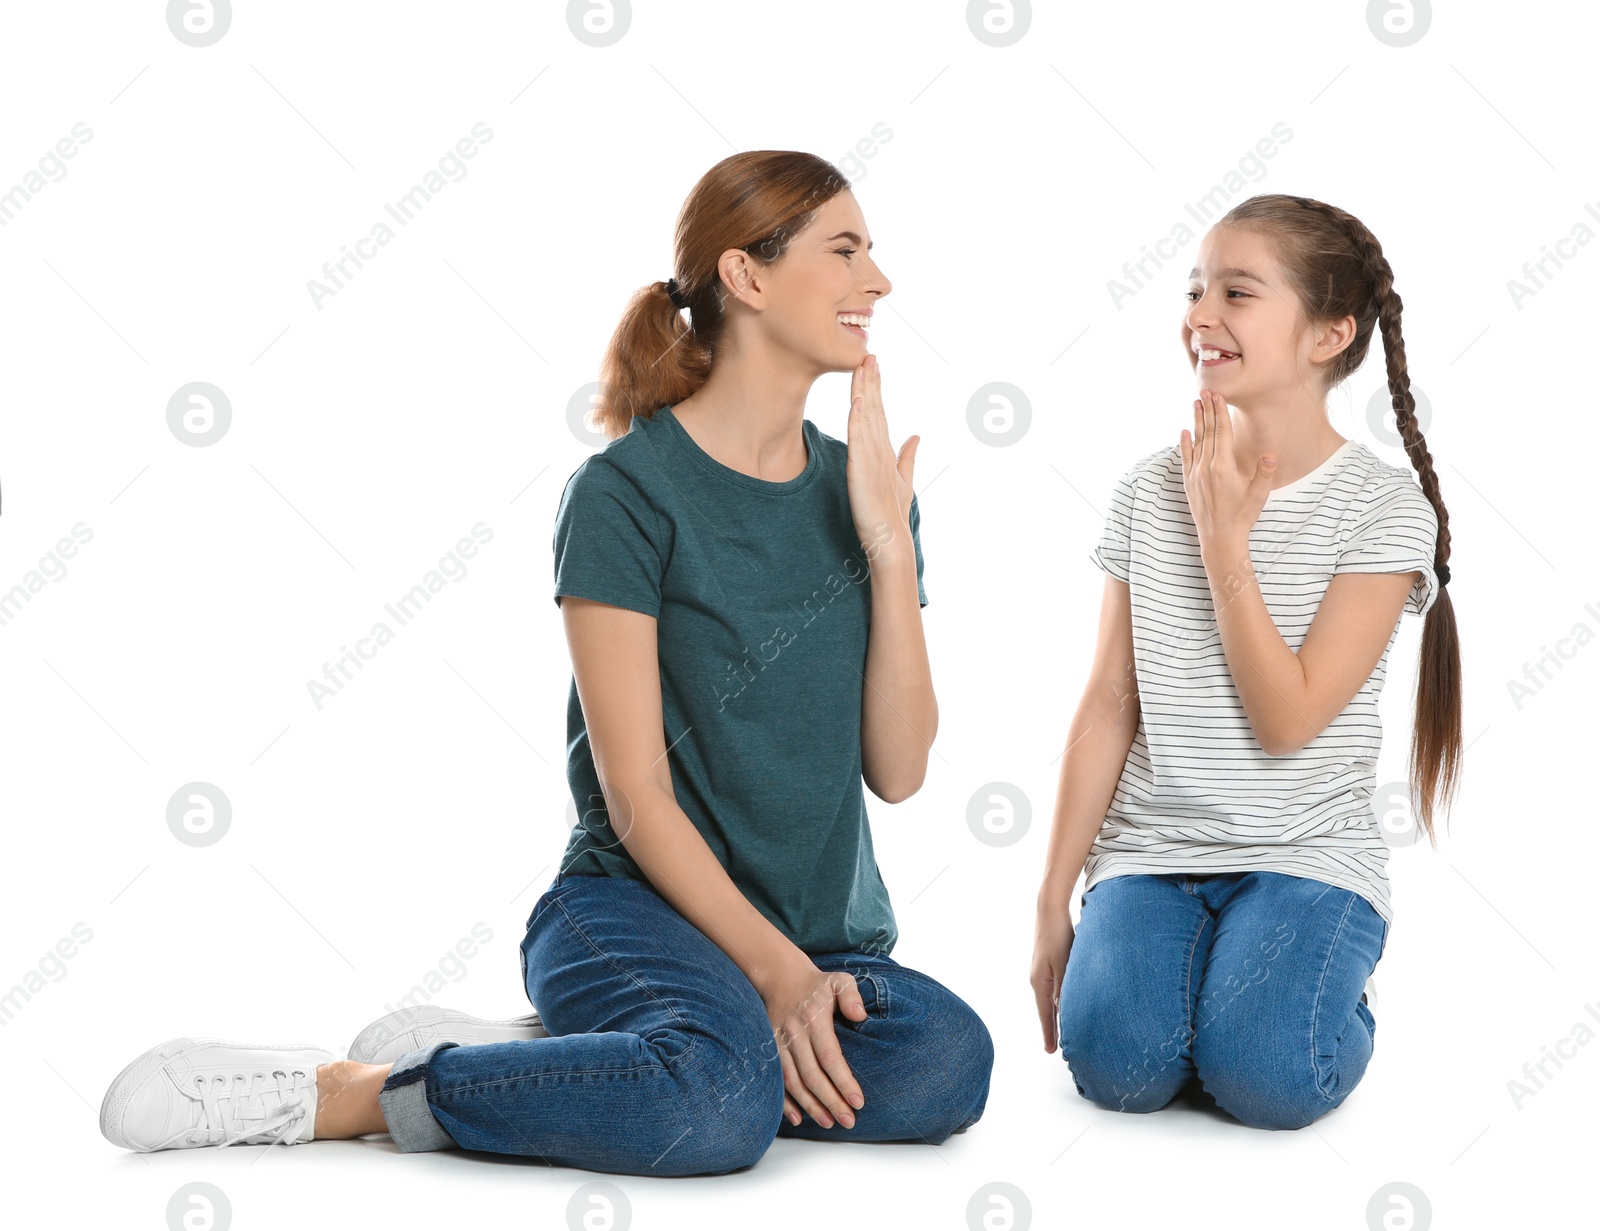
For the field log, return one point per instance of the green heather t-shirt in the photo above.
(762, 597)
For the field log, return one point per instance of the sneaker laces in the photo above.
(235, 1108)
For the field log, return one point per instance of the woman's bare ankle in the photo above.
(347, 1099)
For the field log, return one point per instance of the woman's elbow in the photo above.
(903, 788)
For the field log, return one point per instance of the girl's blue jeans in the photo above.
(661, 1059)
(1250, 981)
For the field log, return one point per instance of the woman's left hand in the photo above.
(879, 481)
(1224, 500)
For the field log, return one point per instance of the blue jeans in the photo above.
(1250, 981)
(661, 1059)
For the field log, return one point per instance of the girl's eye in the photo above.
(1236, 291)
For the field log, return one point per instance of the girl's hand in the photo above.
(1052, 945)
(1224, 500)
(879, 482)
(800, 1004)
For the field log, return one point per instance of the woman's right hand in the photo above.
(1052, 944)
(800, 1003)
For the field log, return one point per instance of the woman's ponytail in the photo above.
(756, 202)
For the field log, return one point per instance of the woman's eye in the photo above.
(845, 251)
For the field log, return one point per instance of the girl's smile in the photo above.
(1218, 358)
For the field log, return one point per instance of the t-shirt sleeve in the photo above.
(1111, 553)
(1396, 533)
(607, 540)
(916, 547)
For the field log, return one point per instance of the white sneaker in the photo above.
(394, 1034)
(206, 1092)
(1369, 994)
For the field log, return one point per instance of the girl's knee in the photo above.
(1265, 1081)
(1271, 1101)
(1112, 1065)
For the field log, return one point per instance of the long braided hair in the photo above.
(1336, 267)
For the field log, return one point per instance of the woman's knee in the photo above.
(733, 1104)
(966, 1065)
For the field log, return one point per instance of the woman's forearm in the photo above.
(899, 715)
(681, 867)
(1102, 731)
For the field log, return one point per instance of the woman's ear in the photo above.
(737, 273)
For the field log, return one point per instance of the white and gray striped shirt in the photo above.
(1197, 793)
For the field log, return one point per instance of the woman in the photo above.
(712, 960)
(1217, 787)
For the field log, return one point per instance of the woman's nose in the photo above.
(878, 282)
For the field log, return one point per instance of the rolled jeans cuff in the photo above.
(404, 1103)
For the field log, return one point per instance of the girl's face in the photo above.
(825, 273)
(1240, 304)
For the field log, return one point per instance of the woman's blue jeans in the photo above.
(1250, 981)
(661, 1059)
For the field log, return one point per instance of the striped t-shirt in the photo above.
(1197, 792)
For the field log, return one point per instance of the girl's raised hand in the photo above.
(879, 482)
(1224, 500)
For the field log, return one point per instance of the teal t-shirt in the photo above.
(762, 596)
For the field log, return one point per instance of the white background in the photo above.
(431, 393)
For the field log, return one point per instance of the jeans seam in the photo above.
(628, 974)
(1316, 1003)
(882, 988)
(445, 1096)
(1188, 980)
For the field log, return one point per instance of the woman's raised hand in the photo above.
(800, 1003)
(1224, 500)
(879, 481)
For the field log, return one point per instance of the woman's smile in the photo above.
(856, 322)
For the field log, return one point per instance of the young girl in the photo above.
(711, 963)
(1217, 786)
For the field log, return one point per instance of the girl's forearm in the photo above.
(1103, 728)
(1266, 672)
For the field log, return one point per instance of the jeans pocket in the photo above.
(555, 887)
(874, 998)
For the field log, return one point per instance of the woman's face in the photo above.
(1241, 304)
(826, 273)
